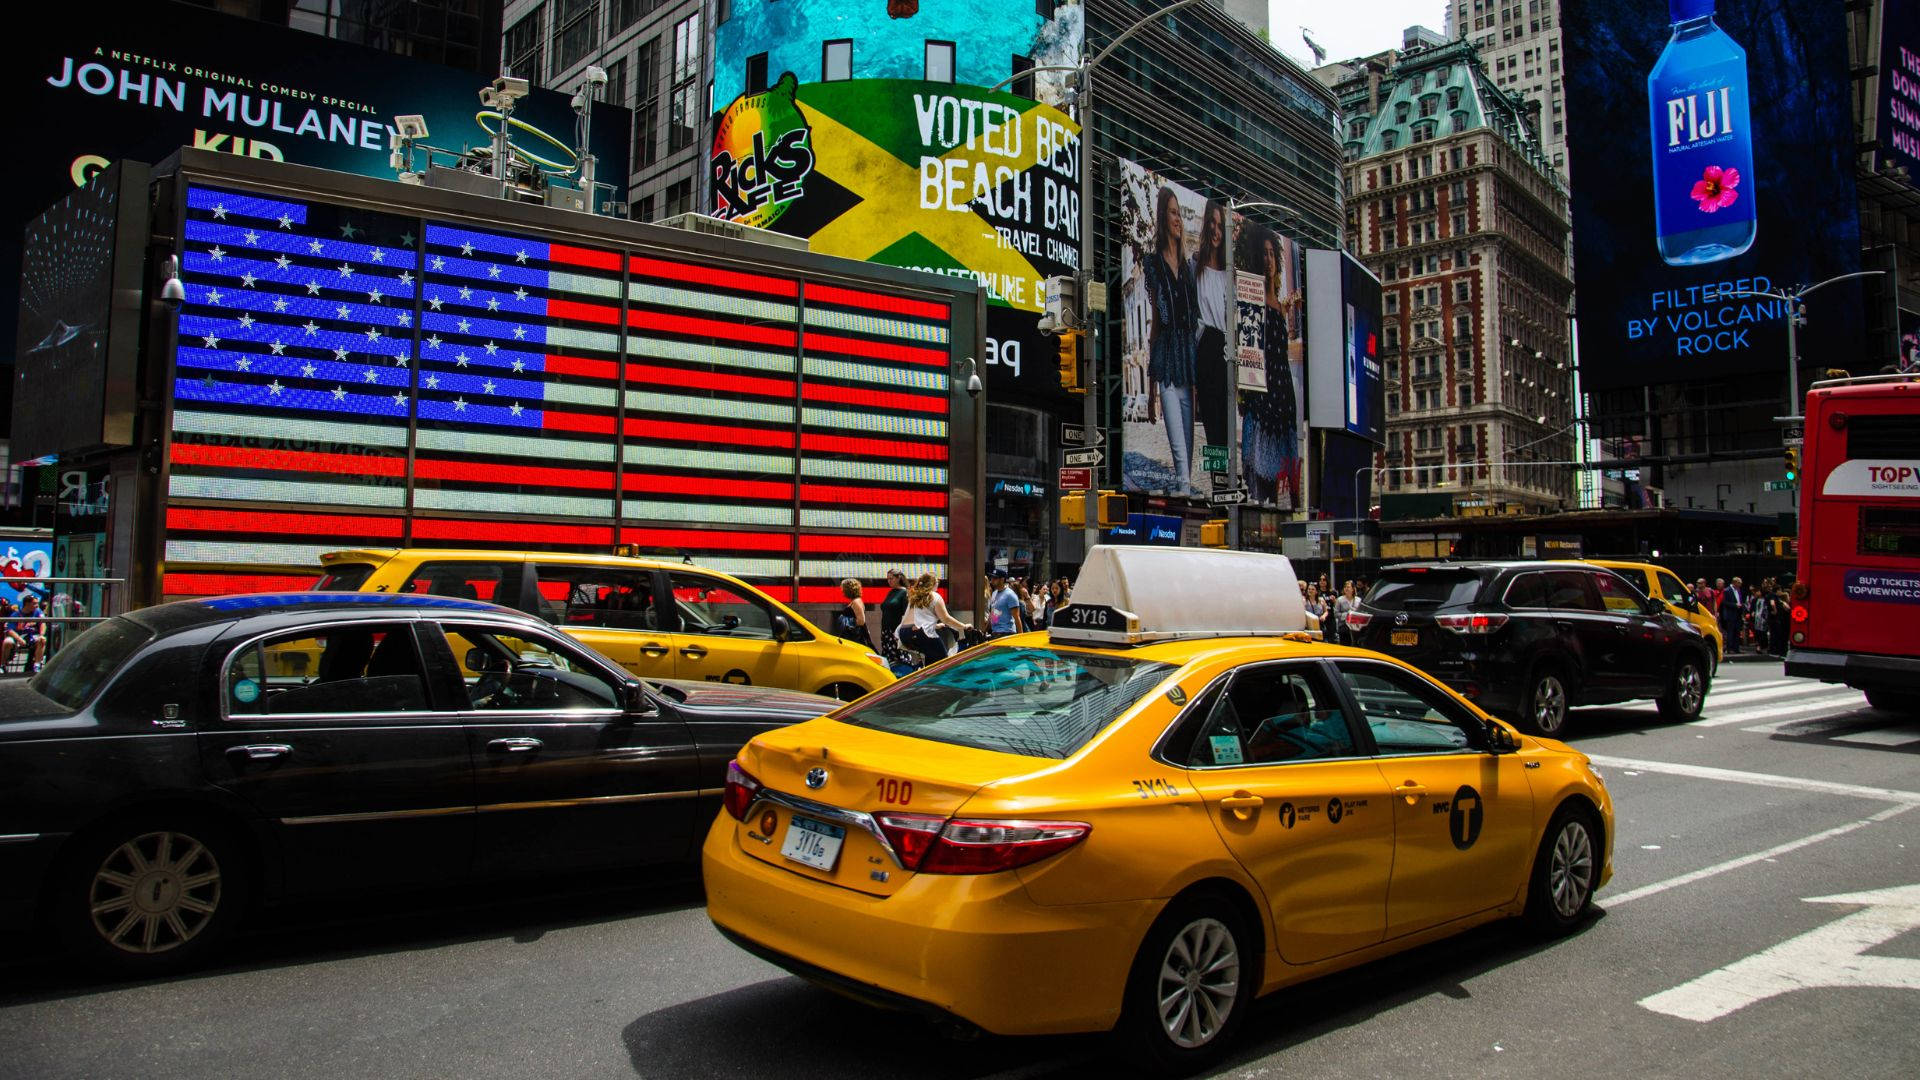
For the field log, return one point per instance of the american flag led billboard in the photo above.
(351, 378)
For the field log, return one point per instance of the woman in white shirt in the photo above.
(1213, 381)
(926, 614)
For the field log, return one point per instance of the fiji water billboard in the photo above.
(1726, 132)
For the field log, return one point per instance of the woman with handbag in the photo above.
(926, 614)
(850, 622)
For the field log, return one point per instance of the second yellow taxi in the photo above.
(1140, 820)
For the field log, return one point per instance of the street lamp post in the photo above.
(1795, 299)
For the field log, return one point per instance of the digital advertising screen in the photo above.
(1345, 384)
(867, 129)
(521, 409)
(1899, 100)
(1727, 139)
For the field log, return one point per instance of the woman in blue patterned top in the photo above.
(1173, 299)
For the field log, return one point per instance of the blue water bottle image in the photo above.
(1703, 197)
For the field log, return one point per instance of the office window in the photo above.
(646, 109)
(521, 48)
(625, 13)
(836, 60)
(940, 61)
(685, 112)
(615, 92)
(756, 73)
(679, 198)
(576, 30)
(643, 210)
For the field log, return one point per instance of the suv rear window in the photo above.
(344, 577)
(1036, 702)
(1423, 590)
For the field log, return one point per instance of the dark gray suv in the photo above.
(1529, 640)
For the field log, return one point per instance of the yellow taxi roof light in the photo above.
(1130, 595)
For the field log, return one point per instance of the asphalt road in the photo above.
(1714, 953)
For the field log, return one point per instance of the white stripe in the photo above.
(876, 520)
(1798, 706)
(579, 338)
(879, 472)
(644, 347)
(748, 568)
(679, 457)
(645, 512)
(489, 442)
(575, 394)
(510, 503)
(584, 284)
(877, 325)
(866, 570)
(874, 423)
(693, 406)
(714, 303)
(1747, 697)
(1734, 776)
(321, 495)
(277, 427)
(251, 554)
(1883, 737)
(919, 378)
(1759, 856)
(1730, 686)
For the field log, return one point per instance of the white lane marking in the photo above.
(1744, 696)
(1832, 955)
(1851, 699)
(1729, 685)
(1734, 776)
(1768, 855)
(1883, 737)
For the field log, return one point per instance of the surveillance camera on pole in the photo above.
(1062, 311)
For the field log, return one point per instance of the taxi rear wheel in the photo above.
(1565, 872)
(1190, 987)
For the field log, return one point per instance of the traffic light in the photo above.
(1070, 363)
(1213, 534)
(1113, 509)
(1073, 511)
(1791, 463)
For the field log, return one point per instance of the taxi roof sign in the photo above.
(1129, 595)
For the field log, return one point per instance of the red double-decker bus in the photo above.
(1856, 602)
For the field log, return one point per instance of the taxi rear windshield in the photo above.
(1426, 591)
(1035, 702)
(343, 577)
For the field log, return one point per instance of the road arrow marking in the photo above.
(1833, 955)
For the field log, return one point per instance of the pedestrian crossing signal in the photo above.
(1213, 534)
(1070, 363)
(1073, 511)
(1792, 463)
(1113, 509)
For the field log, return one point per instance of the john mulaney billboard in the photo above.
(1716, 146)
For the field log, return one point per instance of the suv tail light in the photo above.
(931, 845)
(742, 789)
(1358, 620)
(1474, 623)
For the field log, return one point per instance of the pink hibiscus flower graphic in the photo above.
(1715, 188)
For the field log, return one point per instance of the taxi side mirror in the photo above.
(782, 629)
(1500, 740)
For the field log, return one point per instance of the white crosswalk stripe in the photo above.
(1744, 697)
(1812, 699)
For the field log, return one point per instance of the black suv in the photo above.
(1529, 640)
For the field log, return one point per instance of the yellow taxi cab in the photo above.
(1664, 585)
(1167, 804)
(657, 619)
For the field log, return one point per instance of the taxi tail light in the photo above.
(1473, 623)
(988, 847)
(742, 789)
(1358, 620)
(912, 835)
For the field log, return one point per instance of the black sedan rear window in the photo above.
(1403, 590)
(78, 671)
(1037, 702)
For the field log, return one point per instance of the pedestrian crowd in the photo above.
(1327, 610)
(1750, 619)
(915, 627)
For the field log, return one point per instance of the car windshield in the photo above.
(1422, 590)
(343, 577)
(82, 667)
(1033, 701)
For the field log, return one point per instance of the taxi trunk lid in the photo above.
(862, 774)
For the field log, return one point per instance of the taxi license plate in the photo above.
(1406, 637)
(813, 843)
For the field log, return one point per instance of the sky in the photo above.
(1348, 28)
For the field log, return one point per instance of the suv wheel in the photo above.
(1543, 711)
(1686, 692)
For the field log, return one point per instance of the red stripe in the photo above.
(718, 434)
(495, 532)
(687, 273)
(867, 496)
(879, 350)
(282, 524)
(588, 422)
(576, 365)
(222, 584)
(569, 255)
(667, 322)
(655, 375)
(856, 446)
(827, 594)
(782, 593)
(898, 305)
(494, 472)
(698, 540)
(605, 314)
(656, 484)
(929, 547)
(287, 460)
(877, 400)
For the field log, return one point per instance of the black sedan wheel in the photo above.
(150, 896)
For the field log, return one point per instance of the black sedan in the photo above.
(173, 767)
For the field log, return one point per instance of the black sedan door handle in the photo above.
(261, 751)
(515, 746)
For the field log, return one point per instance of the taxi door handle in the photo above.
(1411, 791)
(694, 653)
(1242, 804)
(655, 651)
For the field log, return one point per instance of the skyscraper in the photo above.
(1519, 42)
